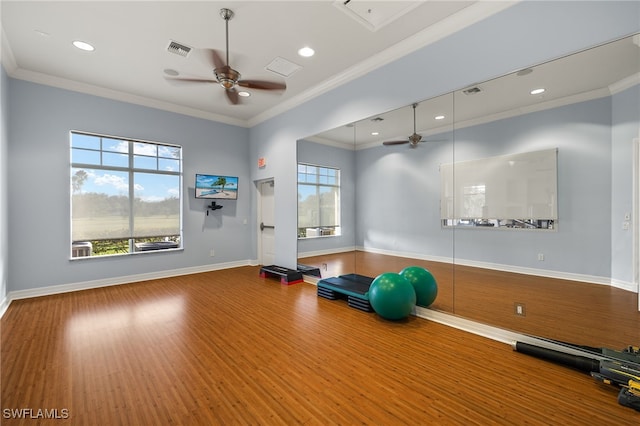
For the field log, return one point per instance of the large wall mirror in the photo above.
(549, 250)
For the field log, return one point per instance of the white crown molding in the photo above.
(6, 54)
(466, 17)
(329, 142)
(75, 86)
(555, 103)
(625, 84)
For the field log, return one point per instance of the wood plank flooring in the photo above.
(231, 348)
(577, 312)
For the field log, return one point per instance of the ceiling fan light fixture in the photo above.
(227, 77)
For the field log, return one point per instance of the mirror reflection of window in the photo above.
(318, 201)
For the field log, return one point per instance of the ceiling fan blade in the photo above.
(233, 97)
(192, 80)
(263, 85)
(215, 59)
(395, 142)
(434, 140)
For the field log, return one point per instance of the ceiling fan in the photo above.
(412, 140)
(226, 76)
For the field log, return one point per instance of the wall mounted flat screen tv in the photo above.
(215, 187)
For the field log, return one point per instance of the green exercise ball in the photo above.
(424, 284)
(392, 296)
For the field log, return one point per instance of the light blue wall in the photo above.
(343, 159)
(580, 244)
(4, 227)
(526, 34)
(625, 127)
(39, 236)
(40, 117)
(398, 199)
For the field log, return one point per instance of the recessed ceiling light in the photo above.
(537, 91)
(306, 52)
(439, 117)
(83, 46)
(244, 94)
(375, 133)
(171, 72)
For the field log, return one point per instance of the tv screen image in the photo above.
(216, 187)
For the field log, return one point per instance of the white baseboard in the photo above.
(473, 327)
(86, 285)
(592, 279)
(409, 255)
(325, 252)
(480, 329)
(4, 304)
(624, 285)
(490, 332)
(495, 333)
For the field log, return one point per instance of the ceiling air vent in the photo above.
(472, 90)
(178, 49)
(282, 67)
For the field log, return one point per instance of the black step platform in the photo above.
(352, 287)
(309, 270)
(287, 276)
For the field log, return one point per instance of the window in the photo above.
(125, 196)
(318, 201)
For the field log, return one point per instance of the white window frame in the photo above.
(321, 230)
(83, 249)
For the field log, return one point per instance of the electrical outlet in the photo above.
(541, 256)
(212, 252)
(519, 309)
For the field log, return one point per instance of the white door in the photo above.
(266, 223)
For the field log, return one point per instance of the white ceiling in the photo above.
(131, 40)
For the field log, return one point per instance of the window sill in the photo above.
(318, 236)
(135, 253)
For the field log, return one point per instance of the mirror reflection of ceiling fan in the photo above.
(412, 140)
(226, 76)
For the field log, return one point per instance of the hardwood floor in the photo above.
(577, 312)
(229, 347)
